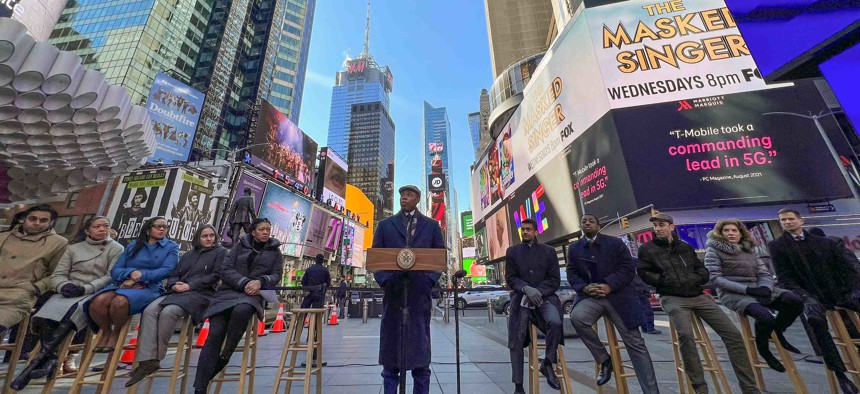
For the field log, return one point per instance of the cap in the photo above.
(662, 217)
(411, 188)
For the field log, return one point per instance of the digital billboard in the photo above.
(289, 215)
(482, 252)
(357, 247)
(246, 181)
(174, 109)
(347, 242)
(467, 225)
(282, 144)
(332, 186)
(498, 233)
(746, 149)
(323, 233)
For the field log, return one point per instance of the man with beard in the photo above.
(408, 228)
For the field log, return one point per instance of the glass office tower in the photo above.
(291, 62)
(371, 156)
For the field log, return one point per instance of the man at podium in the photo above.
(408, 228)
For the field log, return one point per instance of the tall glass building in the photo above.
(291, 63)
(371, 156)
(475, 132)
(130, 40)
(436, 134)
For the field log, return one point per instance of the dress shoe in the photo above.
(143, 370)
(605, 372)
(654, 332)
(845, 383)
(547, 371)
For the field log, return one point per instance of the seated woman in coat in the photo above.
(253, 264)
(137, 275)
(746, 286)
(83, 270)
(189, 289)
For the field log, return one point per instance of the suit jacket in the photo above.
(617, 268)
(317, 275)
(391, 233)
(243, 210)
(829, 277)
(535, 266)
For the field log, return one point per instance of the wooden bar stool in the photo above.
(534, 365)
(181, 361)
(619, 369)
(108, 374)
(15, 348)
(846, 345)
(710, 363)
(758, 366)
(292, 347)
(64, 349)
(248, 366)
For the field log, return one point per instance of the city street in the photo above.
(350, 349)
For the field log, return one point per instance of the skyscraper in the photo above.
(516, 29)
(129, 41)
(475, 132)
(235, 69)
(436, 134)
(291, 63)
(478, 125)
(371, 156)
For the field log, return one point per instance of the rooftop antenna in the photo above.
(366, 52)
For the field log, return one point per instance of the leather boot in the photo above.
(24, 378)
(762, 344)
(50, 344)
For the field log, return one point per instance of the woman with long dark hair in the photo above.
(189, 289)
(254, 264)
(83, 270)
(137, 276)
(746, 286)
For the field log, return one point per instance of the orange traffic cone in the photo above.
(261, 329)
(279, 325)
(201, 337)
(307, 321)
(128, 354)
(332, 320)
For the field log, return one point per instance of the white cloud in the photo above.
(315, 78)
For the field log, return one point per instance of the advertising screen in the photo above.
(358, 247)
(482, 252)
(840, 72)
(174, 109)
(283, 145)
(347, 243)
(467, 225)
(246, 181)
(289, 215)
(333, 187)
(730, 152)
(323, 233)
(498, 233)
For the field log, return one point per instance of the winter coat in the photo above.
(238, 269)
(535, 266)
(733, 269)
(391, 233)
(316, 275)
(242, 210)
(86, 264)
(155, 263)
(26, 264)
(615, 264)
(673, 268)
(199, 269)
(828, 276)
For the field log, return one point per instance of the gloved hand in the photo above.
(71, 290)
(533, 294)
(760, 292)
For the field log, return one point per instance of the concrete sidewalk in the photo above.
(351, 350)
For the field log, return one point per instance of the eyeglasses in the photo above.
(161, 226)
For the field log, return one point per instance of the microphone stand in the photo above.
(457, 277)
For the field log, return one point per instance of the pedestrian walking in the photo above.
(340, 295)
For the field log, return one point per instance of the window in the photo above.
(65, 224)
(73, 200)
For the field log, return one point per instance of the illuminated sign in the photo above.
(356, 67)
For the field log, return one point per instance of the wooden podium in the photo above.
(406, 259)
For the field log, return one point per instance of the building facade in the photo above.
(516, 29)
(475, 132)
(436, 135)
(129, 41)
(371, 156)
(291, 63)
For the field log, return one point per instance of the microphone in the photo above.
(460, 274)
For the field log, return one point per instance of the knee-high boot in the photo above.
(763, 329)
(45, 362)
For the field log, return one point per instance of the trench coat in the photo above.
(237, 270)
(242, 210)
(199, 268)
(86, 264)
(26, 264)
(537, 267)
(391, 233)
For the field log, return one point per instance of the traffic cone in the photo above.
(307, 321)
(204, 333)
(261, 329)
(279, 325)
(332, 320)
(128, 354)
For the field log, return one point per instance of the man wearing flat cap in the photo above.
(408, 228)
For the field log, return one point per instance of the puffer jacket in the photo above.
(734, 267)
(673, 268)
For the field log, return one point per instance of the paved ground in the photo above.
(351, 352)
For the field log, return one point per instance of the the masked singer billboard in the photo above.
(174, 109)
(289, 215)
(283, 145)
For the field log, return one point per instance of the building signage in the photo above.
(282, 144)
(289, 215)
(174, 109)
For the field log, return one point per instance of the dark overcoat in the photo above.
(316, 275)
(616, 266)
(242, 210)
(199, 268)
(238, 269)
(830, 278)
(391, 233)
(536, 267)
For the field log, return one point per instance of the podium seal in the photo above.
(406, 259)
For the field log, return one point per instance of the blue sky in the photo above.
(438, 52)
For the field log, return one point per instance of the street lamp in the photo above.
(815, 118)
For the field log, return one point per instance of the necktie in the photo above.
(409, 227)
(798, 238)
